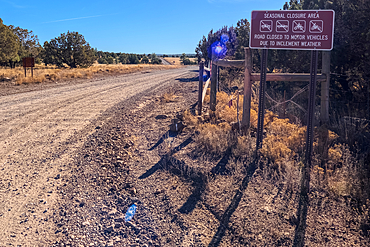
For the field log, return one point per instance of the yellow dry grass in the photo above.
(283, 141)
(176, 60)
(168, 97)
(43, 73)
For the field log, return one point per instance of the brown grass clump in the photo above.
(229, 113)
(168, 97)
(28, 80)
(214, 138)
(244, 146)
(283, 139)
(190, 119)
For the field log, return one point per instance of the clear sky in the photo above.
(140, 26)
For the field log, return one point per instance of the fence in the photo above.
(250, 77)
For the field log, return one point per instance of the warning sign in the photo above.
(265, 26)
(316, 26)
(282, 26)
(299, 26)
(292, 29)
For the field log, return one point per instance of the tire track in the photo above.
(60, 104)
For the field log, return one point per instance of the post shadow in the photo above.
(163, 137)
(300, 230)
(194, 198)
(161, 164)
(225, 218)
(220, 168)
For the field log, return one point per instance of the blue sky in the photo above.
(140, 26)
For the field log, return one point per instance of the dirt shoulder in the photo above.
(183, 197)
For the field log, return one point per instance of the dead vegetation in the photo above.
(50, 73)
(338, 172)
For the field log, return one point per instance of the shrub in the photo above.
(110, 60)
(213, 138)
(145, 60)
(102, 60)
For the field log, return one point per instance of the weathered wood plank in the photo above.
(229, 63)
(247, 89)
(287, 77)
(200, 102)
(213, 94)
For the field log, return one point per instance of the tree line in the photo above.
(69, 48)
(125, 58)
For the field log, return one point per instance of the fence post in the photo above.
(247, 89)
(324, 115)
(201, 70)
(213, 87)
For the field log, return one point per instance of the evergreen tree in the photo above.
(69, 48)
(145, 59)
(133, 59)
(9, 45)
(123, 58)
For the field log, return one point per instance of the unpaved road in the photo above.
(40, 132)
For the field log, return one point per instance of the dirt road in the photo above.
(39, 134)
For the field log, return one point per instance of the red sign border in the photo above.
(297, 49)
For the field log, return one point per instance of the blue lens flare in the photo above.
(218, 50)
(224, 38)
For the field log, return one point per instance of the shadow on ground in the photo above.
(188, 79)
(225, 218)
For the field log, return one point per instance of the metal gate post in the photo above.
(311, 108)
(261, 104)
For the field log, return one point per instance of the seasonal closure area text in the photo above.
(292, 29)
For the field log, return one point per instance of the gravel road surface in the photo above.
(165, 62)
(39, 134)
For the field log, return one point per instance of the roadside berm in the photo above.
(198, 186)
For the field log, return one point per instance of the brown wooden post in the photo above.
(25, 72)
(324, 114)
(284, 105)
(247, 89)
(213, 87)
(200, 99)
(32, 71)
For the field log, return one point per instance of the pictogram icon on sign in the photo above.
(282, 26)
(299, 26)
(265, 26)
(316, 26)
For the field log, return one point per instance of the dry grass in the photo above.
(51, 73)
(284, 140)
(283, 147)
(168, 97)
(176, 60)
